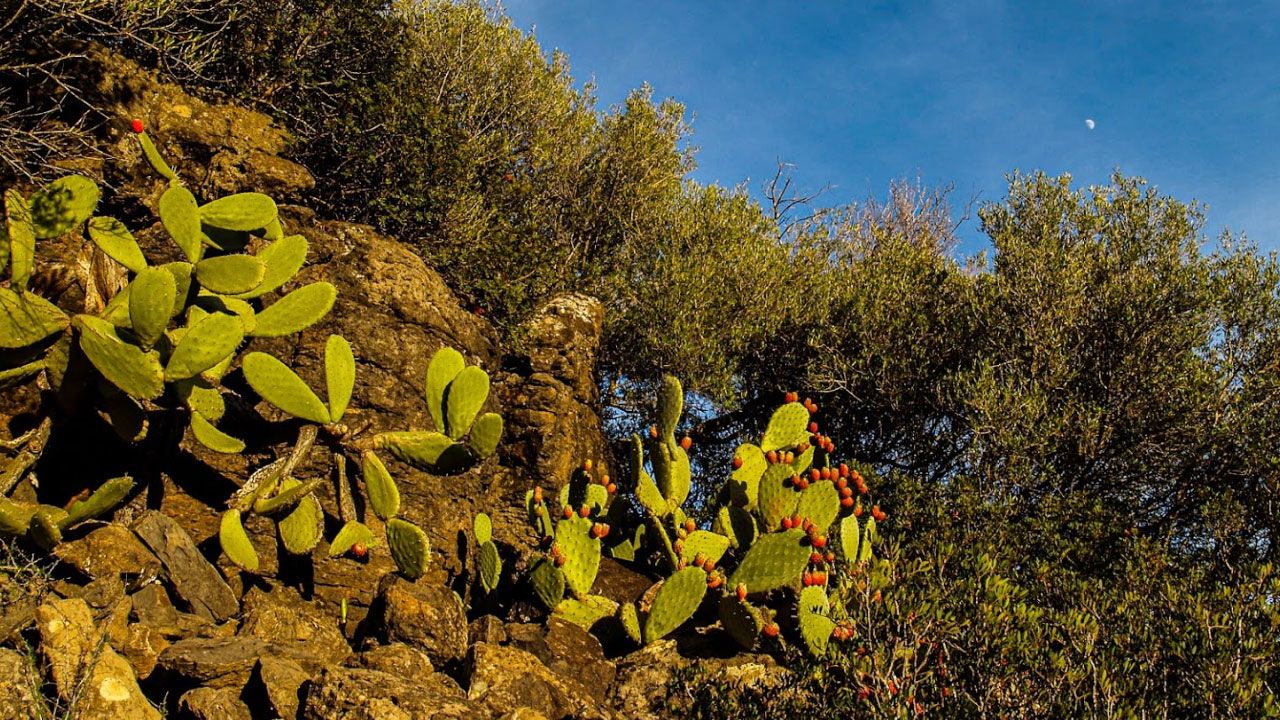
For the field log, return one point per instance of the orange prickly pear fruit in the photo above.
(604, 480)
(815, 557)
(786, 523)
(709, 565)
(819, 542)
(741, 591)
(137, 127)
(653, 431)
(699, 559)
(857, 511)
(846, 502)
(568, 512)
(772, 457)
(611, 489)
(815, 474)
(714, 581)
(771, 629)
(877, 513)
(584, 511)
(359, 550)
(690, 526)
(537, 495)
(830, 557)
(813, 427)
(686, 442)
(737, 462)
(559, 560)
(586, 465)
(790, 397)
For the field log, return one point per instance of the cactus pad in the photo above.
(548, 583)
(292, 492)
(15, 518)
(670, 406)
(630, 620)
(850, 536)
(205, 344)
(27, 319)
(243, 211)
(745, 484)
(282, 387)
(445, 365)
(490, 566)
(296, 311)
(803, 461)
(485, 434)
(282, 260)
(235, 541)
(60, 206)
(151, 297)
(117, 243)
(339, 375)
(409, 547)
(740, 620)
(103, 500)
(775, 560)
(463, 399)
(22, 239)
(582, 554)
(676, 602)
(736, 524)
(820, 502)
(777, 498)
(588, 611)
(351, 533)
(482, 528)
(787, 428)
(46, 526)
(180, 215)
(710, 545)
(429, 451)
(229, 274)
(126, 366)
(811, 615)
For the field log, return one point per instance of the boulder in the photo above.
(284, 683)
(342, 693)
(504, 678)
(213, 662)
(19, 687)
(193, 578)
(425, 615)
(206, 703)
(110, 550)
(293, 627)
(641, 689)
(84, 666)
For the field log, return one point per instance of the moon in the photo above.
(1089, 123)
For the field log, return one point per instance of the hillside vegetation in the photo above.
(1077, 435)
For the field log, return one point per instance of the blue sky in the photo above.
(1186, 94)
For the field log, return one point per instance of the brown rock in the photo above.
(206, 703)
(397, 659)
(487, 629)
(194, 579)
(153, 608)
(576, 653)
(425, 615)
(213, 662)
(640, 689)
(294, 627)
(503, 678)
(361, 694)
(284, 683)
(109, 551)
(19, 687)
(83, 665)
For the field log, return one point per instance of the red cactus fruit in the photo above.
(690, 526)
(815, 557)
(715, 581)
(568, 512)
(137, 126)
(857, 511)
(611, 488)
(786, 523)
(709, 565)
(877, 513)
(772, 457)
(830, 557)
(686, 442)
(819, 542)
(537, 495)
(584, 511)
(359, 550)
(846, 502)
(813, 427)
(790, 397)
(559, 560)
(844, 470)
(741, 591)
(771, 629)
(815, 474)
(604, 480)
(699, 559)
(737, 462)
(653, 431)
(587, 465)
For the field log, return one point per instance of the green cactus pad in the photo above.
(301, 530)
(229, 274)
(153, 157)
(22, 239)
(708, 544)
(243, 211)
(744, 487)
(850, 536)
(868, 538)
(588, 611)
(182, 278)
(490, 566)
(777, 498)
(292, 493)
(282, 387)
(126, 366)
(482, 528)
(647, 491)
(115, 240)
(213, 438)
(429, 451)
(117, 310)
(235, 541)
(180, 215)
(15, 518)
(741, 621)
(339, 375)
(485, 434)
(204, 345)
(240, 309)
(445, 366)
(282, 260)
(384, 495)
(151, 296)
(736, 524)
(670, 407)
(630, 620)
(677, 600)
(296, 311)
(813, 600)
(577, 494)
(103, 500)
(582, 554)
(548, 582)
(14, 376)
(775, 560)
(350, 534)
(873, 532)
(820, 502)
(803, 461)
(674, 477)
(46, 526)
(27, 319)
(409, 547)
(201, 398)
(816, 631)
(788, 427)
(123, 413)
(463, 399)
(63, 204)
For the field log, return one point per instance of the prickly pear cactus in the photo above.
(488, 560)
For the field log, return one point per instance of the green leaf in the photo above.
(126, 366)
(482, 527)
(485, 434)
(677, 600)
(229, 274)
(282, 260)
(115, 240)
(180, 215)
(775, 560)
(204, 345)
(243, 211)
(280, 386)
(296, 311)
(339, 375)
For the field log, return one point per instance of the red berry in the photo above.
(790, 397)
(815, 557)
(137, 126)
(771, 629)
(686, 442)
(611, 488)
(819, 542)
(815, 474)
(586, 465)
(741, 590)
(568, 512)
(786, 523)
(844, 470)
(813, 427)
(359, 550)
(737, 462)
(846, 502)
(584, 511)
